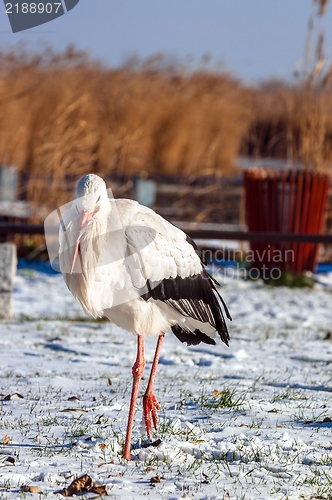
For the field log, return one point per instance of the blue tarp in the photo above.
(45, 266)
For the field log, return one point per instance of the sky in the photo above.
(253, 39)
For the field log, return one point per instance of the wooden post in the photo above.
(8, 262)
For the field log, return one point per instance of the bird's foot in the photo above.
(150, 407)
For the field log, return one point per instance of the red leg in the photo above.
(137, 371)
(150, 403)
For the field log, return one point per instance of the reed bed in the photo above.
(63, 115)
(293, 122)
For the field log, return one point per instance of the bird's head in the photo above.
(91, 194)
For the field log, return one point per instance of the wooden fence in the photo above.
(209, 200)
(195, 233)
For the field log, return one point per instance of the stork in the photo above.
(123, 261)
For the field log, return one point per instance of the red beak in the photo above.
(86, 216)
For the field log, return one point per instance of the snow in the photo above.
(250, 421)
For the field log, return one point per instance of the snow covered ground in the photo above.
(252, 421)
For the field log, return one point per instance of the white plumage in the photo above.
(123, 261)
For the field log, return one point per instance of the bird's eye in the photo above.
(98, 199)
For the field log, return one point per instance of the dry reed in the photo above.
(293, 122)
(64, 115)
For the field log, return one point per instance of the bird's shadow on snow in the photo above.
(211, 353)
(285, 385)
(305, 359)
(164, 360)
(315, 425)
(60, 348)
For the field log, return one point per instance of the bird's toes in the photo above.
(150, 407)
(148, 424)
(155, 417)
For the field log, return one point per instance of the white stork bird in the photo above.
(142, 273)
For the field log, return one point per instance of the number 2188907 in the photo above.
(33, 8)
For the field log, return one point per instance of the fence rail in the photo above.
(196, 233)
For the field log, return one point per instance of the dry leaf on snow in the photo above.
(30, 489)
(106, 463)
(6, 439)
(9, 397)
(326, 420)
(66, 410)
(218, 393)
(83, 484)
(155, 479)
(154, 443)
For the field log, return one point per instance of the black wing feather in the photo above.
(192, 338)
(197, 250)
(194, 296)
